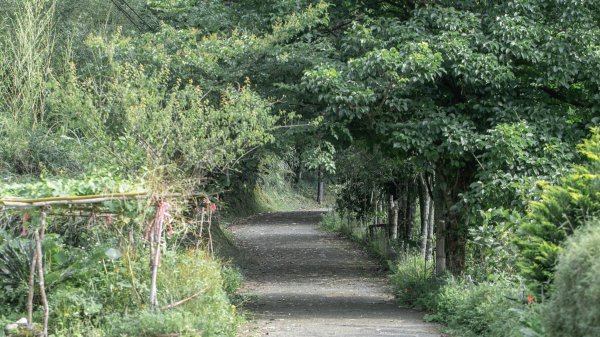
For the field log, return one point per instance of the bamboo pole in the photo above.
(40, 268)
(89, 199)
(31, 285)
(174, 304)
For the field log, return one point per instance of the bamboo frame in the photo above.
(89, 199)
(39, 233)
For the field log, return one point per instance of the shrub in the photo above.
(232, 278)
(183, 274)
(153, 323)
(413, 282)
(14, 271)
(486, 309)
(573, 310)
(563, 208)
(331, 221)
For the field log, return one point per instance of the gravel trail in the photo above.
(302, 281)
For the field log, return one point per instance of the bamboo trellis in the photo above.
(156, 227)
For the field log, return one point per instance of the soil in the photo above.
(302, 281)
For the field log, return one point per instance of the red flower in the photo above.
(530, 299)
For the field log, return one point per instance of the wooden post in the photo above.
(31, 286)
(40, 268)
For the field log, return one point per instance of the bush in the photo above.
(413, 283)
(487, 309)
(15, 256)
(484, 309)
(331, 221)
(563, 208)
(183, 274)
(573, 310)
(232, 278)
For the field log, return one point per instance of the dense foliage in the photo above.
(562, 209)
(573, 310)
(454, 125)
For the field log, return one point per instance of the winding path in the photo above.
(305, 282)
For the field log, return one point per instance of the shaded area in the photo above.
(305, 282)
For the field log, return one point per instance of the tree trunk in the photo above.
(298, 170)
(411, 205)
(450, 184)
(402, 211)
(430, 227)
(424, 201)
(393, 218)
(440, 234)
(320, 186)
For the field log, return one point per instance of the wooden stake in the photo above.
(40, 268)
(31, 287)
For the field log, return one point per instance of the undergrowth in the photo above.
(271, 190)
(377, 245)
(498, 307)
(93, 292)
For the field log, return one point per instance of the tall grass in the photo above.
(378, 244)
(26, 56)
(26, 53)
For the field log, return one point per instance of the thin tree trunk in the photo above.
(155, 257)
(375, 204)
(380, 206)
(320, 186)
(424, 202)
(440, 235)
(430, 227)
(210, 240)
(402, 211)
(393, 218)
(411, 202)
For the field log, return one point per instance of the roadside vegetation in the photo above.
(532, 274)
(465, 132)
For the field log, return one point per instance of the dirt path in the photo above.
(305, 282)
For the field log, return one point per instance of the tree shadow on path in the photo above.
(306, 282)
